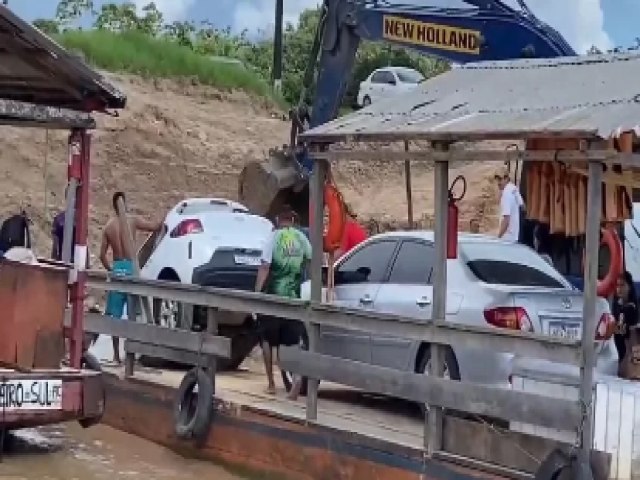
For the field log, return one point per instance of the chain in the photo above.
(503, 434)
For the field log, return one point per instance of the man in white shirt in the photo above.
(510, 204)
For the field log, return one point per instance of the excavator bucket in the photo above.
(266, 185)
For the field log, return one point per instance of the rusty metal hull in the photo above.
(82, 398)
(272, 444)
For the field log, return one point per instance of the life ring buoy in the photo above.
(337, 218)
(90, 362)
(611, 240)
(193, 411)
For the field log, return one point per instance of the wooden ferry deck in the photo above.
(357, 435)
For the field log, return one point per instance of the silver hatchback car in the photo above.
(491, 283)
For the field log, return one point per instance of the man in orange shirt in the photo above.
(354, 233)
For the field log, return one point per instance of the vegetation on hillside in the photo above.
(125, 39)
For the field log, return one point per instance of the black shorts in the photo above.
(278, 331)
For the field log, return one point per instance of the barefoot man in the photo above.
(114, 238)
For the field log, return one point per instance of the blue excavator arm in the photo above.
(484, 30)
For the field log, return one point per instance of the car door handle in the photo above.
(423, 302)
(366, 300)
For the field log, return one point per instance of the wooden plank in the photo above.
(212, 329)
(448, 333)
(526, 344)
(594, 202)
(433, 427)
(167, 353)
(167, 337)
(464, 397)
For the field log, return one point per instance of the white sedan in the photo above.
(387, 82)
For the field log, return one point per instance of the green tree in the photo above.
(152, 20)
(50, 27)
(181, 32)
(68, 11)
(117, 18)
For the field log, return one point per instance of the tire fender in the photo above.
(611, 240)
(90, 362)
(193, 412)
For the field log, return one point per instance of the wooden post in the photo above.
(212, 329)
(316, 233)
(407, 179)
(130, 357)
(594, 201)
(433, 426)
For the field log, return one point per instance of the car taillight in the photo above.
(186, 227)
(513, 318)
(606, 327)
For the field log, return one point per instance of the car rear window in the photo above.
(515, 264)
(197, 208)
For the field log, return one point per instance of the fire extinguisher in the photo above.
(452, 217)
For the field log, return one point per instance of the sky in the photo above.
(604, 23)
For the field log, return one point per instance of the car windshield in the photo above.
(409, 76)
(510, 264)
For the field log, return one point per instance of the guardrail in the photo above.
(467, 397)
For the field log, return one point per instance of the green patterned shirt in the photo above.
(287, 251)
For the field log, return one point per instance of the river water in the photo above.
(69, 452)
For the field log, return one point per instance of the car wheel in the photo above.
(451, 368)
(366, 101)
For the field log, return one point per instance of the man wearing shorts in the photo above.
(285, 257)
(115, 239)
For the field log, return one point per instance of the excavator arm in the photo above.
(481, 30)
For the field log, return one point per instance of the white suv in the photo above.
(213, 242)
(387, 82)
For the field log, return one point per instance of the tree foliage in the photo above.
(208, 40)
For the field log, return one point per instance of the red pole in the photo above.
(79, 159)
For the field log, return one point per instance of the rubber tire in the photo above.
(450, 361)
(90, 362)
(194, 424)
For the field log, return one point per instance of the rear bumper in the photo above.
(82, 397)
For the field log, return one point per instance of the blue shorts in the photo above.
(116, 301)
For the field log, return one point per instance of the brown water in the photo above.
(68, 452)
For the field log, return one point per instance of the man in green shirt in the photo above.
(285, 256)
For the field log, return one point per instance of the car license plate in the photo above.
(31, 395)
(247, 260)
(571, 331)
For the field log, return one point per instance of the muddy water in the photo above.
(68, 452)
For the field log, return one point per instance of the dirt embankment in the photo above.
(179, 140)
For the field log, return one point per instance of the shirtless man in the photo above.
(113, 237)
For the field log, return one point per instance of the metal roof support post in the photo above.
(79, 159)
(594, 202)
(318, 177)
(407, 179)
(433, 426)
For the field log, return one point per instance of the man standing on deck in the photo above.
(114, 238)
(510, 204)
(285, 256)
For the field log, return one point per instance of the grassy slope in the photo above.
(149, 57)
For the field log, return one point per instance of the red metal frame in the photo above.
(78, 169)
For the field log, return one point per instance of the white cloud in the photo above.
(171, 9)
(256, 15)
(581, 22)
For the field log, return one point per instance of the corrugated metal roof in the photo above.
(582, 96)
(35, 69)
